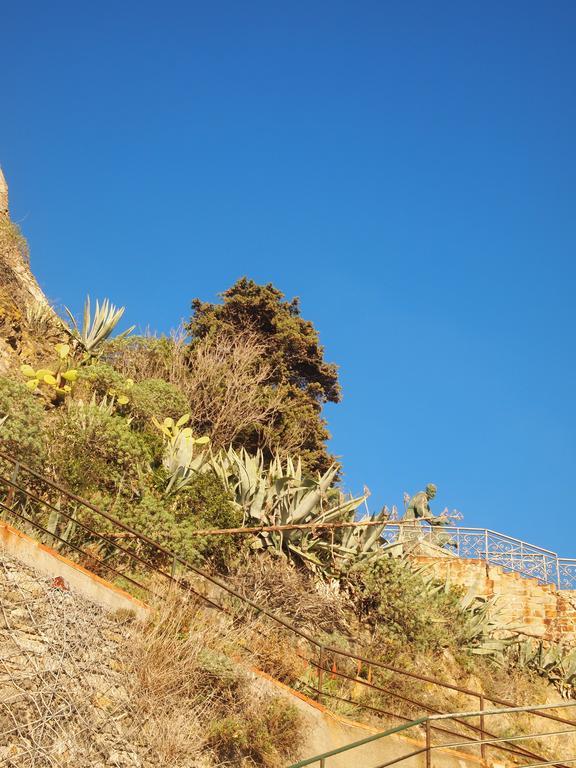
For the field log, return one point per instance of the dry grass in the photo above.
(192, 701)
(276, 583)
(12, 238)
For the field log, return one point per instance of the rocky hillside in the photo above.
(83, 688)
(26, 318)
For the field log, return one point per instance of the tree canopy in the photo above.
(296, 366)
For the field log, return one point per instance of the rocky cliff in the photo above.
(27, 321)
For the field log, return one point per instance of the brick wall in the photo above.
(525, 604)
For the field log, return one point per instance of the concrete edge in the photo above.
(368, 729)
(47, 561)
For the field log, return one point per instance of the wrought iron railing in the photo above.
(493, 547)
(108, 547)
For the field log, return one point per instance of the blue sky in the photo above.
(407, 168)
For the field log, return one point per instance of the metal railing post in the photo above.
(174, 567)
(558, 571)
(486, 554)
(14, 478)
(428, 745)
(482, 734)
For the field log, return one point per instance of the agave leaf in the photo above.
(72, 319)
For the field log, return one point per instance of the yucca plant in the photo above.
(98, 328)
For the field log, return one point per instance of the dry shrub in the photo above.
(192, 701)
(274, 582)
(227, 387)
(224, 378)
(276, 652)
(12, 239)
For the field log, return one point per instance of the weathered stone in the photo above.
(4, 210)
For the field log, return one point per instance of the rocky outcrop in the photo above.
(28, 324)
(3, 195)
(15, 271)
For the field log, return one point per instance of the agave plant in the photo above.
(358, 545)
(554, 662)
(281, 494)
(97, 329)
(60, 527)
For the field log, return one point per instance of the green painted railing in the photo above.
(429, 747)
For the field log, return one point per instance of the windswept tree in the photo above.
(297, 378)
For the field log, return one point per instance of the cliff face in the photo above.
(15, 273)
(3, 195)
(26, 318)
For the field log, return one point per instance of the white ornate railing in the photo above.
(496, 548)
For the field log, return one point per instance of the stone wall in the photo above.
(63, 694)
(526, 605)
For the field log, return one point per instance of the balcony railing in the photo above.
(493, 547)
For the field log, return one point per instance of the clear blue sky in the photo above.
(407, 168)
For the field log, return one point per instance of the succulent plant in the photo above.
(182, 459)
(97, 329)
(553, 661)
(280, 494)
(59, 378)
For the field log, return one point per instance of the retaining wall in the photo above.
(50, 563)
(526, 604)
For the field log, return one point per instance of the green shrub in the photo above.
(405, 608)
(155, 397)
(22, 433)
(265, 733)
(99, 379)
(171, 521)
(93, 449)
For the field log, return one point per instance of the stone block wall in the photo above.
(526, 605)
